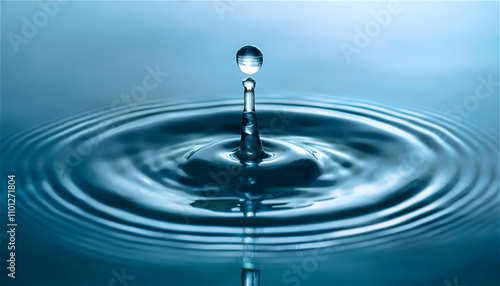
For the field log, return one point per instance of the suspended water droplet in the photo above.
(249, 59)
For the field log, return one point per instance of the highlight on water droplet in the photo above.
(249, 59)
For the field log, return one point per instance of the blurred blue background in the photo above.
(90, 54)
(429, 55)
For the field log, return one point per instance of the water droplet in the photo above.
(249, 59)
(249, 83)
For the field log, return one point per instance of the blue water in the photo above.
(370, 179)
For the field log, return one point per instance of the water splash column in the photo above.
(250, 143)
(249, 60)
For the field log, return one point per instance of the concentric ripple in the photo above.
(121, 184)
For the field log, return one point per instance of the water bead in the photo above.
(249, 83)
(249, 59)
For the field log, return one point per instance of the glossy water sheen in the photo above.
(132, 184)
